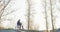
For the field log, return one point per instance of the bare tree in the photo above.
(3, 5)
(28, 13)
(52, 16)
(46, 17)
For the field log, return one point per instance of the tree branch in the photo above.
(2, 10)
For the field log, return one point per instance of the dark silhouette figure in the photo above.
(19, 24)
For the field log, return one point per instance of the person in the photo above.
(19, 24)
